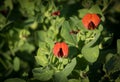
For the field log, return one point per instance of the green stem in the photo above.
(50, 58)
(60, 64)
(103, 10)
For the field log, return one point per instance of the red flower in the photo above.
(60, 49)
(56, 13)
(91, 21)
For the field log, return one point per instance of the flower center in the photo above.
(60, 53)
(91, 26)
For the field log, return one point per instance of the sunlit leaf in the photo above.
(41, 58)
(43, 49)
(90, 53)
(69, 67)
(27, 7)
(82, 12)
(41, 35)
(60, 77)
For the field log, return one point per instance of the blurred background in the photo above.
(21, 20)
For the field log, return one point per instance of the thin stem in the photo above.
(50, 58)
(103, 10)
(60, 66)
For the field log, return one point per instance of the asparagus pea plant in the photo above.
(59, 41)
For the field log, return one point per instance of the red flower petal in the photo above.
(60, 49)
(91, 21)
(65, 49)
(86, 19)
(56, 48)
(95, 19)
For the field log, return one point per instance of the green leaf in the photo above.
(27, 47)
(60, 77)
(118, 79)
(64, 61)
(94, 41)
(81, 26)
(41, 35)
(82, 12)
(65, 33)
(69, 68)
(73, 80)
(14, 80)
(109, 56)
(27, 7)
(118, 46)
(41, 59)
(42, 74)
(95, 9)
(2, 22)
(100, 28)
(8, 3)
(74, 21)
(90, 53)
(113, 64)
(45, 37)
(59, 22)
(85, 80)
(16, 64)
(43, 48)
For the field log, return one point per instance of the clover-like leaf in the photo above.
(90, 53)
